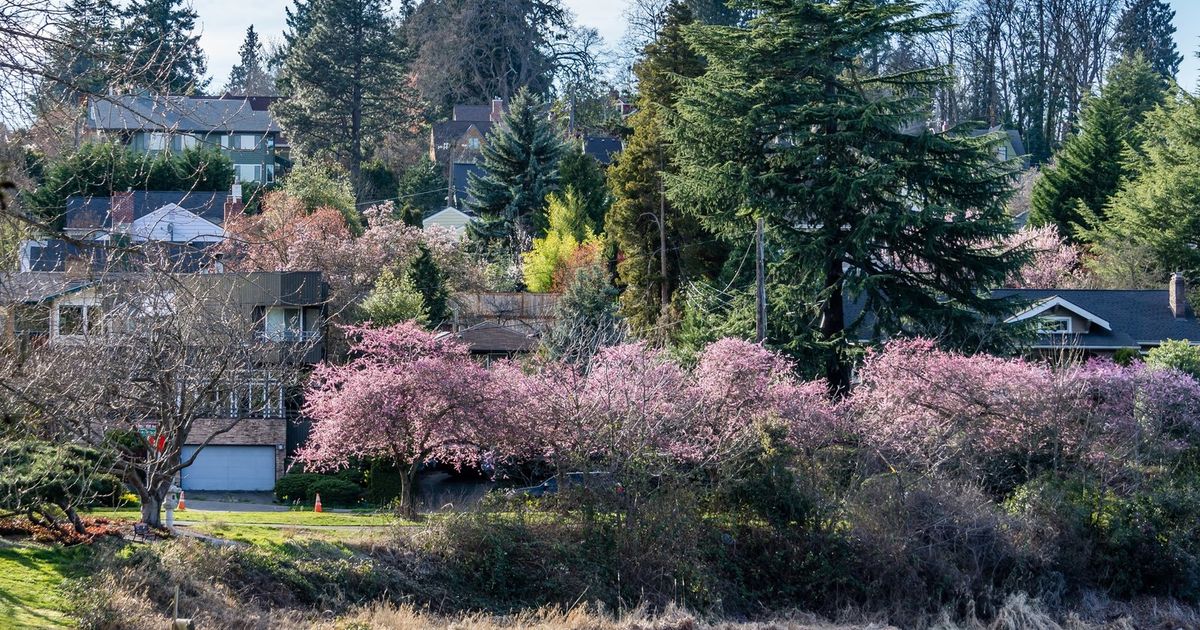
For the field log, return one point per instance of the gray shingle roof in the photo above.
(178, 113)
(29, 288)
(1138, 317)
(93, 212)
(1143, 316)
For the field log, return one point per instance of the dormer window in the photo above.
(1054, 325)
(473, 144)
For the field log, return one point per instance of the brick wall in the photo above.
(247, 432)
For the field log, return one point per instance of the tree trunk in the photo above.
(833, 325)
(408, 477)
(151, 508)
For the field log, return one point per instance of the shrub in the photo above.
(296, 486)
(336, 491)
(383, 482)
(1126, 356)
(1180, 355)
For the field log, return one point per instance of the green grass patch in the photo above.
(263, 536)
(208, 517)
(30, 579)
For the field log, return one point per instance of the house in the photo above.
(174, 227)
(499, 325)
(449, 218)
(1098, 322)
(284, 310)
(1089, 322)
(1011, 146)
(242, 127)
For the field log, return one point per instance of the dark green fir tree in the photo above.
(162, 48)
(250, 77)
(655, 264)
(345, 82)
(1073, 191)
(862, 214)
(585, 175)
(1147, 27)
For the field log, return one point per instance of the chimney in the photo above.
(1177, 295)
(233, 203)
(497, 110)
(120, 209)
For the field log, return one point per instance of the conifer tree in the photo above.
(249, 77)
(1155, 210)
(429, 282)
(583, 174)
(520, 168)
(1072, 192)
(161, 47)
(1146, 26)
(586, 318)
(785, 127)
(639, 201)
(421, 191)
(344, 82)
(82, 56)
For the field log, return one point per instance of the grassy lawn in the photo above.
(300, 519)
(30, 576)
(261, 536)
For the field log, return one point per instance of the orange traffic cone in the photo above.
(317, 505)
(182, 504)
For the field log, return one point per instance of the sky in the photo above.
(224, 25)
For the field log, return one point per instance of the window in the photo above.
(247, 142)
(156, 141)
(270, 173)
(70, 320)
(1002, 152)
(248, 172)
(290, 323)
(75, 320)
(187, 141)
(226, 141)
(473, 144)
(1054, 325)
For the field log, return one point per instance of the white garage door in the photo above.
(230, 468)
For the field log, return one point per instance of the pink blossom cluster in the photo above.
(410, 395)
(927, 408)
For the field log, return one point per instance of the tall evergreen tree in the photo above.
(1146, 26)
(162, 49)
(649, 282)
(784, 127)
(520, 164)
(428, 280)
(82, 58)
(584, 174)
(1155, 210)
(249, 77)
(345, 83)
(1072, 192)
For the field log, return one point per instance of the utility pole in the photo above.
(664, 290)
(760, 277)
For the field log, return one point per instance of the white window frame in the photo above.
(247, 139)
(473, 143)
(226, 141)
(88, 310)
(188, 141)
(1043, 329)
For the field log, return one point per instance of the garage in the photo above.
(246, 468)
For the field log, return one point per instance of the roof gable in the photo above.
(1058, 302)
